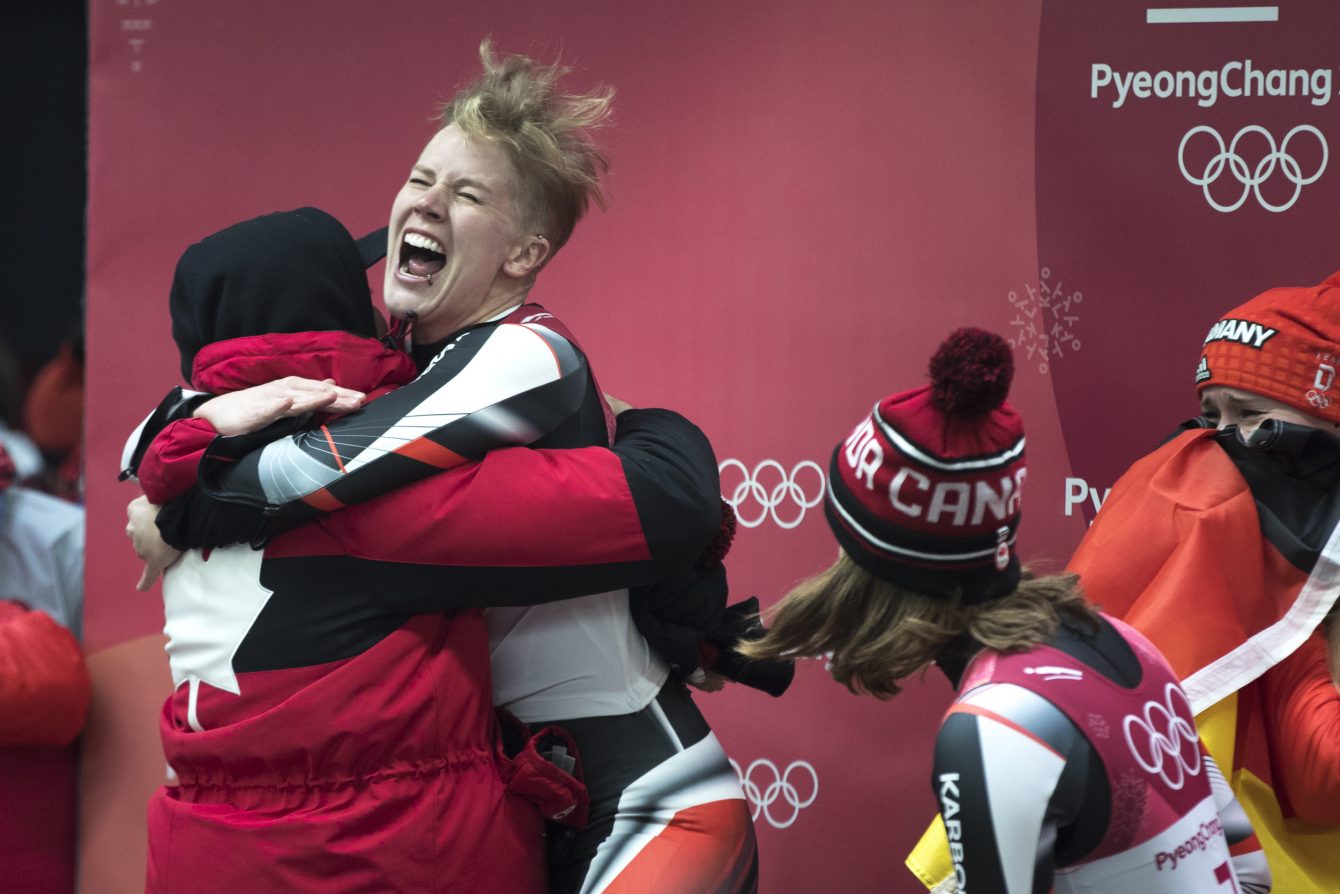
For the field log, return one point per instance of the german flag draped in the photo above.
(1228, 559)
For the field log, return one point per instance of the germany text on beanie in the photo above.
(1283, 344)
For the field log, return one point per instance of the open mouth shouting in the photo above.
(421, 257)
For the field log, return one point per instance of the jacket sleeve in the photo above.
(1304, 707)
(676, 615)
(505, 386)
(170, 464)
(518, 527)
(44, 685)
(179, 404)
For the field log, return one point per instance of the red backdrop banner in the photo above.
(805, 198)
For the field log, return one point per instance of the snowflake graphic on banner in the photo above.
(1044, 321)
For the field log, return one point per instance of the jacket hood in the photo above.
(291, 271)
(353, 361)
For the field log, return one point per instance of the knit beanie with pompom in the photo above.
(925, 492)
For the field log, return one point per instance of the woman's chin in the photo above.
(402, 298)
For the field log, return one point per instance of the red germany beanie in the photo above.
(1283, 344)
(925, 492)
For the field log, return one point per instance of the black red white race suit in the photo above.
(1075, 766)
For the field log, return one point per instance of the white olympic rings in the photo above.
(1170, 747)
(779, 786)
(769, 497)
(1251, 179)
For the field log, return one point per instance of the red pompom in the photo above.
(971, 373)
(715, 552)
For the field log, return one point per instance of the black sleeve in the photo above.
(672, 474)
(198, 521)
(677, 614)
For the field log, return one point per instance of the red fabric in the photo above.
(44, 693)
(1179, 538)
(7, 470)
(169, 466)
(352, 361)
(376, 773)
(44, 685)
(379, 772)
(452, 518)
(37, 818)
(704, 849)
(557, 793)
(1304, 718)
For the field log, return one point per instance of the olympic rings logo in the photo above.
(1228, 158)
(771, 487)
(1168, 744)
(777, 785)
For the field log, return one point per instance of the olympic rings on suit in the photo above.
(787, 492)
(1168, 745)
(1229, 159)
(777, 785)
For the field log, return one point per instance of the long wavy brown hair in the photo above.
(875, 633)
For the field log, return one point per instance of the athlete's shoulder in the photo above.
(1019, 707)
(537, 318)
(532, 329)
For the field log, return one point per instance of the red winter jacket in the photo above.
(44, 693)
(168, 470)
(319, 746)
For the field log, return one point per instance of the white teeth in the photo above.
(418, 240)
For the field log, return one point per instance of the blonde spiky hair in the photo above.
(516, 102)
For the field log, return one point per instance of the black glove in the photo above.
(676, 615)
(741, 622)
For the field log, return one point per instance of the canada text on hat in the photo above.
(925, 492)
(1283, 344)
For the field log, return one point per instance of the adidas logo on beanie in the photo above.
(1283, 344)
